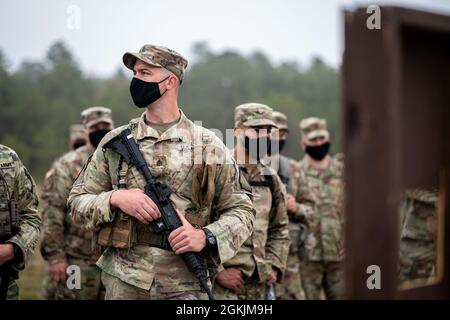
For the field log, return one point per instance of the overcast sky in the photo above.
(283, 29)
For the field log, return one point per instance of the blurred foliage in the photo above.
(41, 99)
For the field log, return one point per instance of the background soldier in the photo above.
(418, 235)
(65, 242)
(77, 136)
(321, 190)
(19, 220)
(289, 172)
(138, 263)
(262, 259)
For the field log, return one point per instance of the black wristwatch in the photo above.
(211, 242)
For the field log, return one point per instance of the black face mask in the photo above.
(258, 148)
(96, 136)
(318, 152)
(145, 93)
(78, 143)
(281, 143)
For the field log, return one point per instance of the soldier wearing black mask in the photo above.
(65, 242)
(319, 200)
(288, 171)
(77, 136)
(261, 261)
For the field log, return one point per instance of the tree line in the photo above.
(41, 99)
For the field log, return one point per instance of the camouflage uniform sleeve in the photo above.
(89, 199)
(55, 189)
(27, 208)
(233, 207)
(305, 207)
(278, 241)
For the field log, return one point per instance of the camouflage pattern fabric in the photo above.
(322, 279)
(291, 286)
(16, 184)
(418, 235)
(62, 238)
(158, 56)
(119, 290)
(252, 290)
(320, 202)
(253, 115)
(269, 243)
(197, 186)
(91, 287)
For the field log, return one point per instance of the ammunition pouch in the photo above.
(117, 234)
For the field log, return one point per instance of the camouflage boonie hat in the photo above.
(76, 132)
(93, 115)
(158, 56)
(314, 127)
(280, 120)
(253, 115)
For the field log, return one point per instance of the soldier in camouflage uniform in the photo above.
(65, 242)
(289, 172)
(262, 259)
(418, 235)
(319, 200)
(77, 136)
(19, 220)
(191, 161)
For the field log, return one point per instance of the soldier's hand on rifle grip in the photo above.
(6, 253)
(136, 204)
(187, 238)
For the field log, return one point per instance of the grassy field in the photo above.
(31, 279)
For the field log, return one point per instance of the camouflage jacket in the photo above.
(268, 245)
(174, 158)
(418, 215)
(17, 184)
(321, 199)
(418, 235)
(62, 237)
(290, 174)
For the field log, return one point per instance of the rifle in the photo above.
(126, 146)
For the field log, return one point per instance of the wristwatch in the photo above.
(211, 242)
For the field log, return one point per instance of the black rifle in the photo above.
(126, 146)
